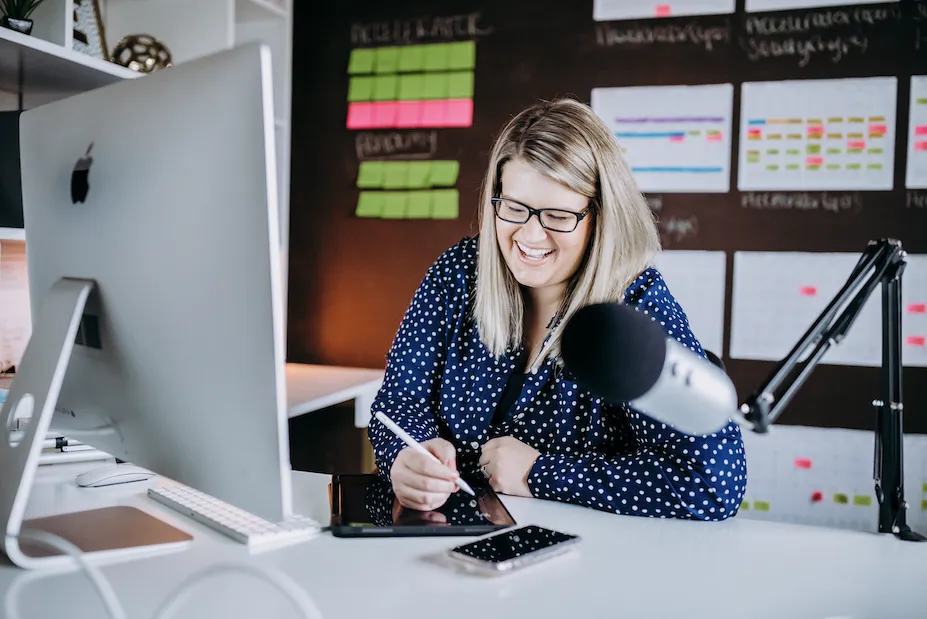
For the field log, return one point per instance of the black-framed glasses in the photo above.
(554, 219)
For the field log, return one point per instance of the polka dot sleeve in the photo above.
(413, 370)
(646, 468)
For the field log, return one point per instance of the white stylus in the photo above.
(411, 442)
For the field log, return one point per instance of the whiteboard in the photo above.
(697, 281)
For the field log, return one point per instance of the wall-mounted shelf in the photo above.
(45, 68)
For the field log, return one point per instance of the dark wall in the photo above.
(351, 279)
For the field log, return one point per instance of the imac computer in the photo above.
(153, 251)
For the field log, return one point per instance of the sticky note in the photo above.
(419, 174)
(394, 205)
(862, 499)
(411, 58)
(444, 204)
(459, 113)
(360, 115)
(924, 488)
(807, 291)
(409, 114)
(395, 175)
(360, 89)
(418, 205)
(662, 10)
(761, 506)
(817, 497)
(433, 113)
(444, 173)
(460, 85)
(916, 340)
(387, 60)
(435, 86)
(370, 174)
(369, 204)
(841, 498)
(924, 505)
(802, 463)
(361, 61)
(461, 55)
(384, 114)
(385, 87)
(745, 505)
(436, 57)
(411, 87)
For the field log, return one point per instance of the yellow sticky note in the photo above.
(369, 204)
(924, 488)
(862, 499)
(361, 61)
(745, 505)
(418, 205)
(419, 174)
(370, 174)
(841, 498)
(761, 506)
(394, 205)
(444, 173)
(395, 174)
(444, 204)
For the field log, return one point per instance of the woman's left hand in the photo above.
(507, 462)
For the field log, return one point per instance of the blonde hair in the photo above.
(564, 140)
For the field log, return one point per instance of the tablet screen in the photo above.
(368, 501)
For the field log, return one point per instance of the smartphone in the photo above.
(513, 549)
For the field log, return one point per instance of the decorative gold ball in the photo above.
(142, 53)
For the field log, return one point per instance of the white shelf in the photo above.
(12, 234)
(257, 10)
(51, 68)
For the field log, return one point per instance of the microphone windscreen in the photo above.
(614, 351)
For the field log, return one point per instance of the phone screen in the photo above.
(512, 544)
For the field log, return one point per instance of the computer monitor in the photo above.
(158, 196)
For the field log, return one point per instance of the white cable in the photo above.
(99, 581)
(281, 581)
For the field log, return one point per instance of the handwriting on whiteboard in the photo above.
(679, 228)
(404, 31)
(916, 199)
(695, 32)
(833, 34)
(382, 145)
(802, 201)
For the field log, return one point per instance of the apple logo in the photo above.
(80, 184)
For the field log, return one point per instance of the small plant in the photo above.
(19, 9)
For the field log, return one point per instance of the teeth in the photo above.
(533, 253)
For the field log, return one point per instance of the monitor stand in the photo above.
(109, 533)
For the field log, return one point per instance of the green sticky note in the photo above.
(745, 505)
(460, 85)
(394, 205)
(387, 60)
(841, 498)
(411, 87)
(444, 204)
(385, 88)
(924, 505)
(369, 204)
(360, 89)
(411, 58)
(418, 205)
(435, 57)
(444, 173)
(461, 55)
(370, 174)
(435, 86)
(395, 175)
(761, 506)
(419, 174)
(862, 499)
(361, 61)
(924, 488)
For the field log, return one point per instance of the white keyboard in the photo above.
(240, 525)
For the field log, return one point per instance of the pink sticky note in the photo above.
(877, 128)
(714, 137)
(384, 113)
(917, 308)
(920, 130)
(662, 10)
(917, 340)
(803, 463)
(856, 144)
(753, 132)
(808, 291)
(814, 160)
(677, 138)
(816, 129)
(921, 145)
(360, 115)
(459, 113)
(433, 113)
(409, 114)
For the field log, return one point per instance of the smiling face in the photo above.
(540, 259)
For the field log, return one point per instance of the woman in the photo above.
(474, 371)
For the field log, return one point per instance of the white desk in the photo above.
(626, 567)
(313, 387)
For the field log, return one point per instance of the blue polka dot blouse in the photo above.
(442, 381)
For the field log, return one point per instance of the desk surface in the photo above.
(312, 387)
(626, 566)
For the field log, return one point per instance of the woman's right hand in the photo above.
(420, 483)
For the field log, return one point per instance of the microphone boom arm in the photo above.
(883, 264)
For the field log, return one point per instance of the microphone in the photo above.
(623, 356)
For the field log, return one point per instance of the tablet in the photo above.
(363, 505)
